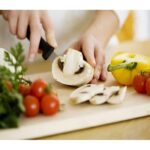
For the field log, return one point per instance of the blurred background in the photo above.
(135, 28)
(142, 25)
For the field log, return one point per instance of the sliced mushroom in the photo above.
(98, 99)
(98, 94)
(118, 97)
(71, 69)
(105, 95)
(85, 93)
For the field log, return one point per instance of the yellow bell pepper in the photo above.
(124, 66)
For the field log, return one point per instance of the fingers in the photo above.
(35, 36)
(103, 76)
(88, 51)
(48, 27)
(99, 62)
(19, 21)
(100, 71)
(5, 14)
(76, 46)
(12, 17)
(22, 25)
(94, 55)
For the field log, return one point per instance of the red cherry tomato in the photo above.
(24, 89)
(38, 88)
(139, 83)
(148, 86)
(50, 104)
(32, 106)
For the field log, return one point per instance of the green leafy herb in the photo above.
(17, 63)
(11, 107)
(11, 101)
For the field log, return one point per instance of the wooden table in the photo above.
(132, 129)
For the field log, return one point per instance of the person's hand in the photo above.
(93, 42)
(19, 21)
(93, 52)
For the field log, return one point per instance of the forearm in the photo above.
(105, 24)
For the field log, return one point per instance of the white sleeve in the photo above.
(122, 15)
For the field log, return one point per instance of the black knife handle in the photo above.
(43, 45)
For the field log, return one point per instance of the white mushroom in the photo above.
(118, 97)
(105, 95)
(73, 61)
(85, 93)
(99, 99)
(71, 69)
(98, 94)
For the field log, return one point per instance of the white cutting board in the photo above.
(76, 117)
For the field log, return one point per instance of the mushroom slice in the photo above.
(102, 97)
(98, 99)
(71, 69)
(85, 93)
(118, 97)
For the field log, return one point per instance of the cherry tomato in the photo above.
(50, 104)
(148, 86)
(38, 88)
(50, 92)
(24, 89)
(32, 106)
(139, 83)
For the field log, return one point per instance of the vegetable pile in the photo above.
(131, 69)
(20, 96)
(39, 97)
(124, 66)
(11, 101)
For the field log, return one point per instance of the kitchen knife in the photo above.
(47, 49)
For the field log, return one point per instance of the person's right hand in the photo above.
(19, 21)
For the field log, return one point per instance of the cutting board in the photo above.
(76, 117)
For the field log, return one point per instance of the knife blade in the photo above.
(46, 48)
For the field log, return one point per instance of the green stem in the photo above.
(126, 65)
(26, 81)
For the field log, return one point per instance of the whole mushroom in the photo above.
(71, 69)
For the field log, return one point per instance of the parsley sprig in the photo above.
(11, 101)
